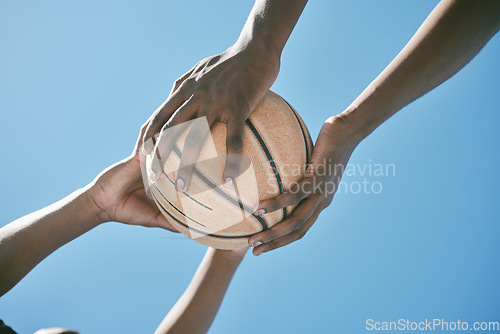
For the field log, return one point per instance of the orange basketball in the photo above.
(276, 150)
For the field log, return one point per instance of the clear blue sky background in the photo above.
(77, 79)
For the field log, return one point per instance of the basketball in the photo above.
(276, 151)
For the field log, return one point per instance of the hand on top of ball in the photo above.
(313, 193)
(225, 88)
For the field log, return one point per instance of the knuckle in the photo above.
(240, 103)
(177, 83)
(292, 198)
(202, 89)
(240, 100)
(306, 185)
(193, 139)
(296, 197)
(185, 171)
(326, 203)
(271, 235)
(299, 222)
(301, 234)
(235, 142)
(231, 166)
(188, 83)
(276, 205)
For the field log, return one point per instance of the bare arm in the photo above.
(450, 37)
(117, 194)
(28, 240)
(195, 311)
(453, 34)
(270, 24)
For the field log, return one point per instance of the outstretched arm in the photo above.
(225, 88)
(449, 38)
(117, 194)
(195, 310)
(28, 240)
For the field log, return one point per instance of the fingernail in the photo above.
(256, 243)
(143, 150)
(229, 183)
(259, 212)
(180, 185)
(153, 175)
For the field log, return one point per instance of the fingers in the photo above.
(187, 111)
(137, 147)
(291, 197)
(163, 114)
(178, 82)
(290, 224)
(192, 147)
(288, 238)
(234, 146)
(163, 147)
(169, 134)
(181, 89)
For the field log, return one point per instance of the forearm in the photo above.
(197, 307)
(28, 240)
(270, 24)
(448, 39)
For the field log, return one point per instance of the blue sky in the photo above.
(77, 80)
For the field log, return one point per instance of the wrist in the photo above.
(257, 51)
(347, 130)
(270, 24)
(96, 214)
(259, 45)
(228, 256)
(358, 123)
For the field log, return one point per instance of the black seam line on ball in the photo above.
(301, 128)
(185, 193)
(201, 232)
(223, 194)
(269, 158)
(182, 213)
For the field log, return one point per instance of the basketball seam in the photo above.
(269, 156)
(191, 228)
(208, 182)
(182, 213)
(192, 198)
(305, 137)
